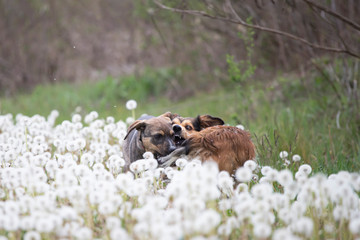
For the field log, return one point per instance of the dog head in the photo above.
(184, 127)
(155, 135)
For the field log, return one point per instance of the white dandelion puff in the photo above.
(181, 162)
(285, 177)
(32, 235)
(303, 225)
(130, 120)
(283, 154)
(131, 104)
(240, 127)
(243, 174)
(354, 226)
(119, 233)
(305, 168)
(148, 155)
(250, 164)
(262, 230)
(296, 158)
(83, 233)
(76, 118)
(265, 170)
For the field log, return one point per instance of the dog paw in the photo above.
(168, 160)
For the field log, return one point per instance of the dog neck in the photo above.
(136, 149)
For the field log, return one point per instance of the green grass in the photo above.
(283, 115)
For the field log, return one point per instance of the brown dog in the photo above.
(148, 134)
(228, 146)
(184, 127)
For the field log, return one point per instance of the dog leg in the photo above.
(168, 160)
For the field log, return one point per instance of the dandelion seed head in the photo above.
(87, 159)
(106, 208)
(170, 174)
(226, 184)
(148, 155)
(224, 204)
(354, 226)
(262, 230)
(285, 177)
(283, 155)
(119, 233)
(27, 223)
(158, 172)
(265, 170)
(207, 221)
(242, 187)
(181, 162)
(261, 190)
(98, 167)
(129, 120)
(243, 174)
(296, 158)
(305, 168)
(284, 233)
(209, 193)
(131, 104)
(250, 164)
(43, 225)
(299, 175)
(303, 225)
(151, 164)
(76, 118)
(340, 212)
(32, 235)
(83, 233)
(240, 127)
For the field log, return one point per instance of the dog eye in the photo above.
(158, 136)
(188, 127)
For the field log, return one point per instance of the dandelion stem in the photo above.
(133, 113)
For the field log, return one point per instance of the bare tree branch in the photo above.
(319, 12)
(238, 20)
(339, 16)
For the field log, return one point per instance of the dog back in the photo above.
(229, 146)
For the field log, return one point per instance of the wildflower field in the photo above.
(65, 181)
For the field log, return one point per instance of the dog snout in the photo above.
(177, 128)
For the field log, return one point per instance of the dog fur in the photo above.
(184, 127)
(228, 146)
(148, 134)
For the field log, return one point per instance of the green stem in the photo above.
(133, 113)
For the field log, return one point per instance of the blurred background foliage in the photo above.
(98, 54)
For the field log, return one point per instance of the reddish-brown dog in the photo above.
(228, 146)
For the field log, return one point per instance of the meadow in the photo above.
(65, 181)
(62, 177)
(302, 115)
(286, 71)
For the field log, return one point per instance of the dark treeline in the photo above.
(46, 41)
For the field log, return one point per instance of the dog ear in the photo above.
(138, 125)
(208, 121)
(170, 115)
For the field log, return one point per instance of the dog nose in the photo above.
(176, 128)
